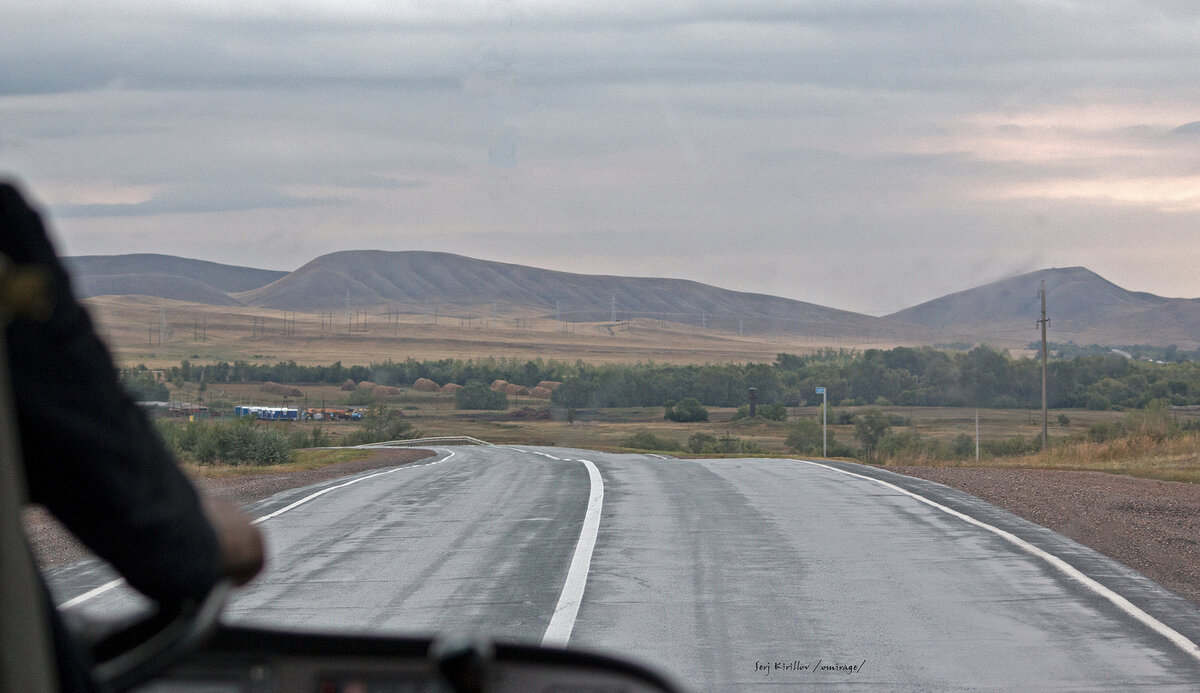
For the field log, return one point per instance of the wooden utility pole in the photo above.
(1045, 412)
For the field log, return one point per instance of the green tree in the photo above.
(869, 428)
(476, 395)
(686, 410)
(805, 438)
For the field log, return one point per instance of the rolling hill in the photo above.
(164, 276)
(1082, 306)
(423, 281)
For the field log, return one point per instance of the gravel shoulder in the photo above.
(53, 545)
(1151, 526)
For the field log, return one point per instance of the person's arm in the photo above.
(91, 456)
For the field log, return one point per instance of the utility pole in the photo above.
(824, 422)
(1045, 412)
(614, 308)
(976, 436)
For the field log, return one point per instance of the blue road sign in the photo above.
(820, 390)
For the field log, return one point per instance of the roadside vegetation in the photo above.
(927, 377)
(900, 406)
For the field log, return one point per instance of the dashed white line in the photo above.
(558, 633)
(1177, 638)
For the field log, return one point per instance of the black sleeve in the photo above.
(91, 456)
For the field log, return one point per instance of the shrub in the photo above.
(477, 395)
(805, 438)
(645, 440)
(243, 442)
(910, 446)
(687, 409)
(770, 412)
(361, 397)
(382, 424)
(870, 429)
(699, 442)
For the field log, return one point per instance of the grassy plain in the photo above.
(160, 333)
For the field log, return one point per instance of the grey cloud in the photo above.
(194, 199)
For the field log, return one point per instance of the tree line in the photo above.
(920, 376)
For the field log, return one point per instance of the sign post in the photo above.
(824, 423)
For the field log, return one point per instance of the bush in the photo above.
(382, 424)
(1104, 432)
(805, 438)
(362, 397)
(687, 410)
(243, 442)
(1010, 447)
(963, 446)
(870, 429)
(477, 395)
(699, 442)
(645, 440)
(910, 446)
(770, 412)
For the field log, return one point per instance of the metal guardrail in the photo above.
(418, 442)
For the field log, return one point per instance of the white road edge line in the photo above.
(96, 592)
(558, 633)
(1176, 638)
(323, 491)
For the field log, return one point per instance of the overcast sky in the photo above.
(865, 155)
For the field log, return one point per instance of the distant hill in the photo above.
(1082, 306)
(165, 276)
(422, 281)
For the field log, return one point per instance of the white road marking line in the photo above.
(91, 593)
(323, 491)
(76, 601)
(558, 633)
(1177, 638)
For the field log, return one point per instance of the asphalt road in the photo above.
(726, 574)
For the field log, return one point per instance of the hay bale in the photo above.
(514, 389)
(348, 386)
(541, 392)
(281, 390)
(385, 392)
(366, 385)
(498, 385)
(425, 385)
(550, 384)
(451, 387)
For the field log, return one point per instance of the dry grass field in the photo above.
(162, 332)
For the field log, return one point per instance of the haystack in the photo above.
(514, 389)
(451, 387)
(385, 391)
(281, 390)
(425, 385)
(366, 385)
(348, 386)
(498, 385)
(549, 384)
(541, 392)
